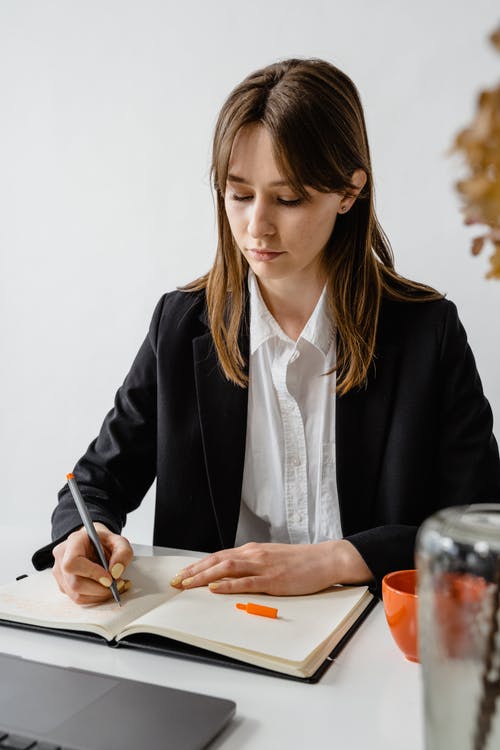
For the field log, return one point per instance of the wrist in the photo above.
(101, 527)
(346, 565)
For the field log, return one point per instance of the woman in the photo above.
(302, 406)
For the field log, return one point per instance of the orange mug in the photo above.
(399, 594)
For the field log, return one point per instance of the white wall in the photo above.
(106, 115)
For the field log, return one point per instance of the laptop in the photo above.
(43, 707)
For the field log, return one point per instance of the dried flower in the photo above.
(480, 190)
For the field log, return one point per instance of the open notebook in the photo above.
(155, 615)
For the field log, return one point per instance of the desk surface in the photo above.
(370, 694)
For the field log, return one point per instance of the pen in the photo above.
(89, 527)
(258, 609)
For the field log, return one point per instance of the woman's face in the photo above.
(281, 236)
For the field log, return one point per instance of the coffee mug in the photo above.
(399, 594)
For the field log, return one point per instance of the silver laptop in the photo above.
(47, 707)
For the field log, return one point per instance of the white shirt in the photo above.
(289, 491)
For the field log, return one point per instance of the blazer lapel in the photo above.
(362, 422)
(223, 418)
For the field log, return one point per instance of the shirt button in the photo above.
(296, 461)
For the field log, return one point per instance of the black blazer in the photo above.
(417, 438)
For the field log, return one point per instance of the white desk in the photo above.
(369, 697)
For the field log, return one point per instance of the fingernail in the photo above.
(213, 586)
(187, 581)
(105, 582)
(176, 580)
(127, 585)
(117, 570)
(120, 586)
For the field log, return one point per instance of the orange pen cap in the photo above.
(258, 609)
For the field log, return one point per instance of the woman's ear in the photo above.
(358, 178)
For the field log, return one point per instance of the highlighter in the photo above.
(258, 609)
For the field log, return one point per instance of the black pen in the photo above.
(89, 527)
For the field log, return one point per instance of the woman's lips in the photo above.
(264, 254)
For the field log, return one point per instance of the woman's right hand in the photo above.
(78, 572)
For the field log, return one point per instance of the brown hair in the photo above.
(313, 114)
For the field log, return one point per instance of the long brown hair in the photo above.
(314, 116)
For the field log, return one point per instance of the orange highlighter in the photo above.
(258, 609)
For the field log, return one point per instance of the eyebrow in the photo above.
(243, 181)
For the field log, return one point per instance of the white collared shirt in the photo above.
(289, 491)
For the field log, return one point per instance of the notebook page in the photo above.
(303, 622)
(37, 599)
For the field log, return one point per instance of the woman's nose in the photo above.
(260, 221)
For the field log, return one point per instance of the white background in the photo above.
(106, 115)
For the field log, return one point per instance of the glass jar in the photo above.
(458, 560)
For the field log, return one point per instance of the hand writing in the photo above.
(79, 574)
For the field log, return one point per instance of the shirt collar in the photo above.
(319, 329)
(262, 324)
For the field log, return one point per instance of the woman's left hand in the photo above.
(278, 569)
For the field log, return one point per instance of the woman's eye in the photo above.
(293, 202)
(235, 197)
(281, 201)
